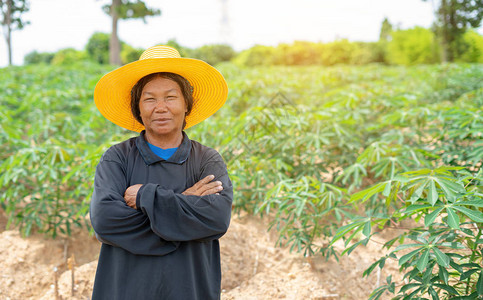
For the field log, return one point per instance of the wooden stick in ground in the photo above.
(71, 265)
(56, 285)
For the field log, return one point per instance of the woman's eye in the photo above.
(169, 98)
(148, 100)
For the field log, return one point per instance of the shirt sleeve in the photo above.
(117, 224)
(178, 217)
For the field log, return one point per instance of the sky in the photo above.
(57, 24)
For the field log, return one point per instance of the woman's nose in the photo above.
(161, 106)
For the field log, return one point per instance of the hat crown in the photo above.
(160, 52)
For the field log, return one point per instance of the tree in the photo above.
(453, 18)
(386, 29)
(12, 11)
(125, 9)
(379, 49)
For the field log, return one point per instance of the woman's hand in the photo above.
(204, 187)
(201, 188)
(130, 195)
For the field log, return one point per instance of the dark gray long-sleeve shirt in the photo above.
(168, 248)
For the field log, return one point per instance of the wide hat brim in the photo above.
(112, 94)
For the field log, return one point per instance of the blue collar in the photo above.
(149, 157)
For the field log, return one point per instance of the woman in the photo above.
(161, 201)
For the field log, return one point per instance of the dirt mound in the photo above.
(28, 264)
(255, 269)
(83, 283)
(252, 267)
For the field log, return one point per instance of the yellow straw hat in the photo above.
(112, 94)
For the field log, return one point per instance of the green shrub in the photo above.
(183, 51)
(301, 53)
(35, 57)
(372, 52)
(413, 46)
(257, 55)
(339, 52)
(130, 54)
(69, 56)
(214, 54)
(298, 53)
(473, 48)
(98, 47)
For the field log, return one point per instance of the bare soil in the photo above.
(253, 268)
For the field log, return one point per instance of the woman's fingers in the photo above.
(213, 190)
(209, 186)
(203, 181)
(200, 185)
(206, 180)
(205, 187)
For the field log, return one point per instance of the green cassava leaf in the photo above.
(369, 192)
(447, 288)
(408, 286)
(423, 260)
(417, 207)
(405, 246)
(452, 220)
(377, 293)
(342, 231)
(474, 215)
(479, 284)
(387, 188)
(367, 229)
(443, 274)
(450, 188)
(432, 193)
(441, 258)
(468, 274)
(352, 247)
(429, 218)
(408, 256)
(432, 292)
(419, 190)
(476, 203)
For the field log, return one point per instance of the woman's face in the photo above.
(162, 107)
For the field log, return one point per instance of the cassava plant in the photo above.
(441, 256)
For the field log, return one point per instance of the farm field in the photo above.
(324, 157)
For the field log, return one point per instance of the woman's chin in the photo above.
(164, 131)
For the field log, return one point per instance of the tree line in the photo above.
(395, 47)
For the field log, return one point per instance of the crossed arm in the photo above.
(203, 187)
(164, 218)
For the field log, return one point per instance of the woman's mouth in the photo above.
(162, 120)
